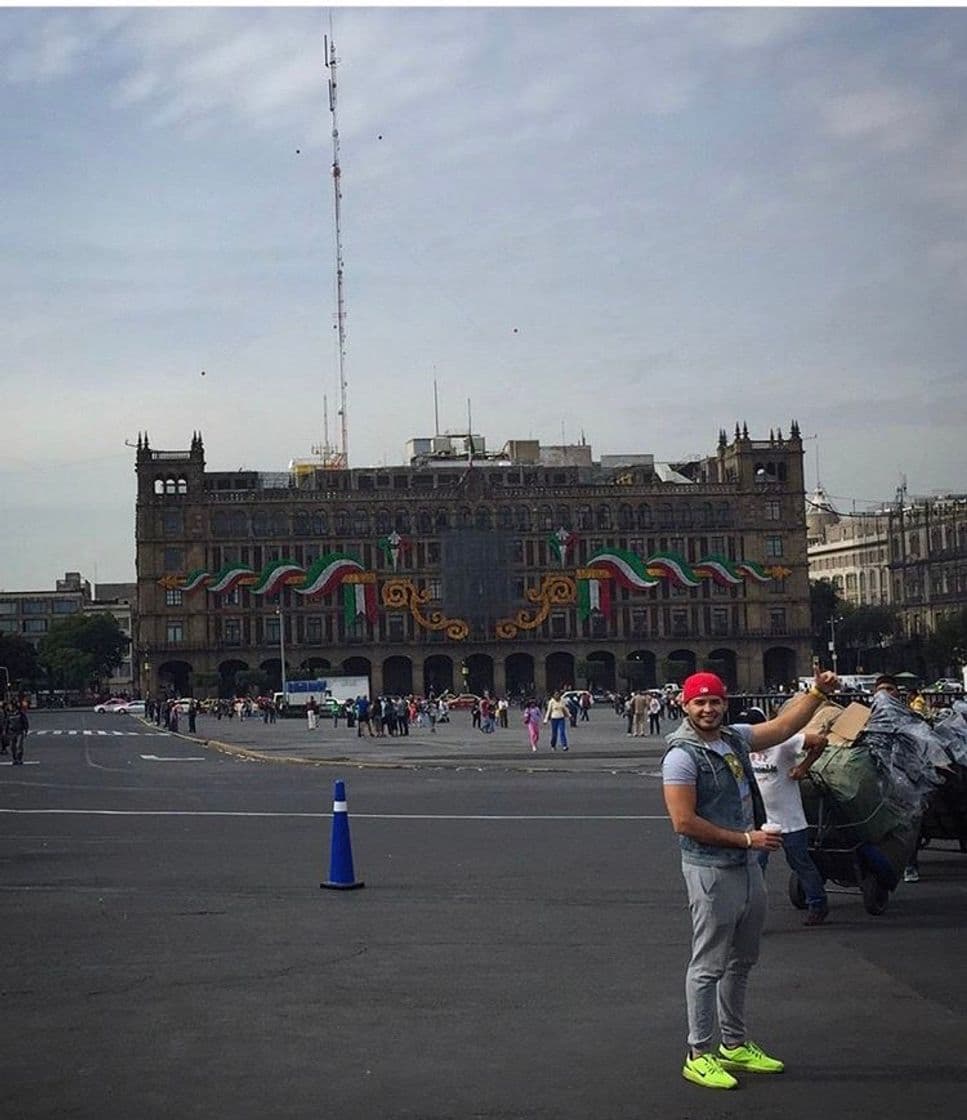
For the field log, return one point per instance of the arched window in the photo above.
(384, 522)
(277, 524)
(483, 518)
(625, 516)
(159, 486)
(665, 516)
(424, 522)
(505, 517)
(464, 517)
(441, 520)
(523, 518)
(401, 521)
(361, 523)
(260, 523)
(545, 518)
(220, 524)
(603, 518)
(169, 486)
(300, 523)
(238, 524)
(320, 523)
(181, 486)
(584, 518)
(645, 518)
(562, 515)
(342, 522)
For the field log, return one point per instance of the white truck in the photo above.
(328, 692)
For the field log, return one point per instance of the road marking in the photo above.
(61, 731)
(174, 758)
(26, 762)
(325, 816)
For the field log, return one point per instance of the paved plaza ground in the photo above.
(517, 951)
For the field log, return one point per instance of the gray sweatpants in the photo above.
(728, 906)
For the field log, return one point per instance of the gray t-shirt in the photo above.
(679, 768)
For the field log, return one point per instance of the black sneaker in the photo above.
(816, 917)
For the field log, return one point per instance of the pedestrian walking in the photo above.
(19, 726)
(778, 774)
(654, 716)
(532, 721)
(556, 715)
(717, 811)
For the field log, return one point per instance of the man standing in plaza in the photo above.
(717, 811)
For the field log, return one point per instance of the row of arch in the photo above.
(517, 674)
(511, 518)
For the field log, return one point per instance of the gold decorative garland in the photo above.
(554, 591)
(404, 594)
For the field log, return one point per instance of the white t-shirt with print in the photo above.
(780, 793)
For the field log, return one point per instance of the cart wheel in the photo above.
(875, 895)
(797, 896)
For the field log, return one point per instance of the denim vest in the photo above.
(717, 797)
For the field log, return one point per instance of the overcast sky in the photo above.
(639, 224)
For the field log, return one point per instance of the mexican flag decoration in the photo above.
(594, 591)
(393, 548)
(359, 597)
(561, 544)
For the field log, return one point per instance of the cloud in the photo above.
(891, 118)
(51, 52)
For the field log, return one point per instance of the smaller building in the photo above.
(30, 614)
(851, 551)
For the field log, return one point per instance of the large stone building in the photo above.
(928, 560)
(524, 570)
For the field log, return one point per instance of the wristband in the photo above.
(818, 692)
(748, 839)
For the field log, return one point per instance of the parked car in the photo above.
(114, 704)
(577, 693)
(132, 708)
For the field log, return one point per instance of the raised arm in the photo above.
(796, 715)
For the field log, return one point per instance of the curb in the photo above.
(250, 754)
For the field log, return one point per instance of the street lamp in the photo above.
(832, 639)
(278, 611)
(465, 673)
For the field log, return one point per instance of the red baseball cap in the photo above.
(703, 684)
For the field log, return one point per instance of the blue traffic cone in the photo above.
(341, 876)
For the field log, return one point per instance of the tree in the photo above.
(865, 631)
(19, 658)
(945, 650)
(83, 649)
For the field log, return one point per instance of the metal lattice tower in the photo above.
(330, 52)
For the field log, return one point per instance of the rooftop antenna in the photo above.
(436, 410)
(469, 435)
(819, 484)
(329, 455)
(330, 52)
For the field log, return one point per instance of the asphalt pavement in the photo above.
(599, 743)
(518, 949)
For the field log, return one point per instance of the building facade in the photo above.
(31, 614)
(516, 572)
(928, 560)
(851, 551)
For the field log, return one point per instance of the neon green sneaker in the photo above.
(749, 1057)
(706, 1070)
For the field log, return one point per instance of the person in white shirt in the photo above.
(778, 774)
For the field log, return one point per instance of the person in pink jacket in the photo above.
(532, 721)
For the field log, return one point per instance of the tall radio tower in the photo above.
(330, 51)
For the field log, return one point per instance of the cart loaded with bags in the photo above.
(867, 794)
